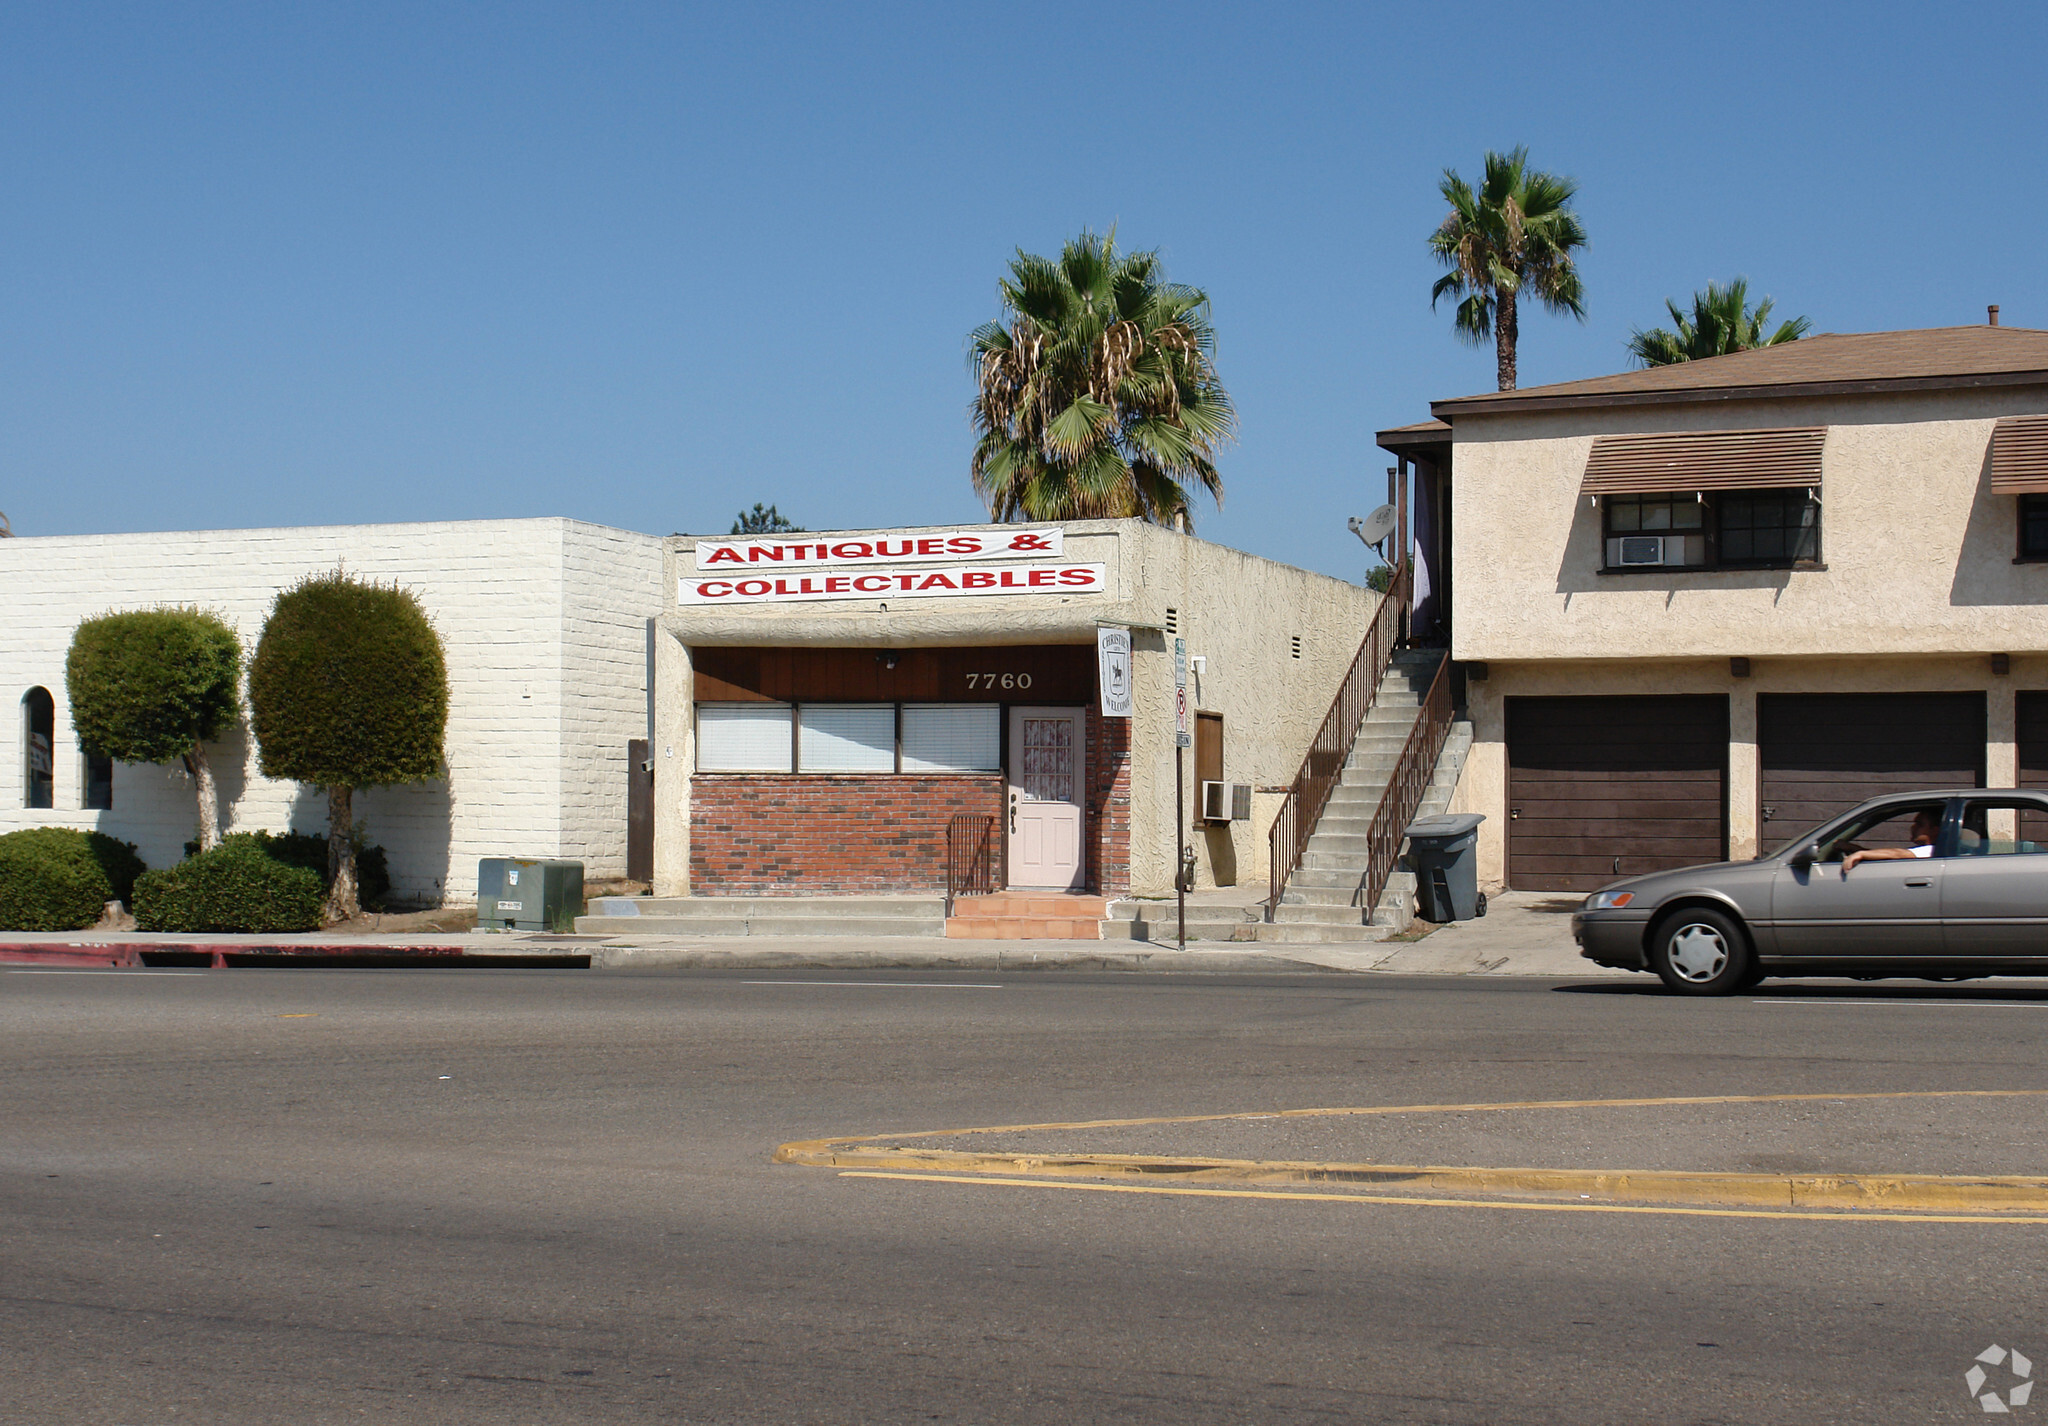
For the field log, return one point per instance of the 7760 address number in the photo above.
(998, 680)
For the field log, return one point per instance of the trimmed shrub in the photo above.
(309, 850)
(238, 886)
(61, 878)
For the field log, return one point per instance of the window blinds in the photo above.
(743, 737)
(952, 737)
(847, 737)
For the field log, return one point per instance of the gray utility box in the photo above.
(518, 894)
(1443, 852)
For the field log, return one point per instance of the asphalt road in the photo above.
(547, 1196)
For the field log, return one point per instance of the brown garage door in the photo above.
(1606, 787)
(1822, 753)
(2031, 732)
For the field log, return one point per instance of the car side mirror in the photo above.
(1805, 857)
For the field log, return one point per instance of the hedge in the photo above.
(309, 850)
(238, 886)
(61, 878)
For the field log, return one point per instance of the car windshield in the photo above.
(1889, 826)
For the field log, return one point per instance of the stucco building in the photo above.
(827, 702)
(1700, 607)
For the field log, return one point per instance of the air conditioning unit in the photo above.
(1215, 802)
(1240, 802)
(1647, 551)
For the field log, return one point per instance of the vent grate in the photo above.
(1172, 621)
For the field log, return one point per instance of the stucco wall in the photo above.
(1238, 612)
(611, 590)
(1483, 785)
(495, 592)
(1918, 552)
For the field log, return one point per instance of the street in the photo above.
(549, 1196)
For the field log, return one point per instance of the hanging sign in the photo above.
(784, 551)
(1113, 661)
(1180, 694)
(951, 581)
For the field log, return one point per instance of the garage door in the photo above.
(1822, 753)
(1606, 787)
(2031, 733)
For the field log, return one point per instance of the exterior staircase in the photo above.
(1323, 899)
(1028, 915)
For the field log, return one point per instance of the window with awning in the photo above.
(1672, 461)
(2019, 455)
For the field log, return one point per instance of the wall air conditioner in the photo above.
(1240, 802)
(1215, 802)
(1649, 551)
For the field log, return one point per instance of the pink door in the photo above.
(1046, 763)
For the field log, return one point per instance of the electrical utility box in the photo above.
(518, 894)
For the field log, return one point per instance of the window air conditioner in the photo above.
(1215, 802)
(1647, 549)
(1240, 802)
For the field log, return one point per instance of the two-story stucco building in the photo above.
(1700, 607)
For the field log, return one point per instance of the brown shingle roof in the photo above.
(1829, 364)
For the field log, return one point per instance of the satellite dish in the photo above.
(1376, 526)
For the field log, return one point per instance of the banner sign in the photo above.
(952, 581)
(720, 556)
(1113, 659)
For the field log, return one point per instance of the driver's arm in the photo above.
(1878, 854)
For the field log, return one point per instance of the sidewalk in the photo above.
(1523, 934)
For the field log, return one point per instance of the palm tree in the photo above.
(1097, 392)
(1518, 229)
(1722, 322)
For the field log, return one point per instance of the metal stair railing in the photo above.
(1323, 766)
(970, 857)
(1407, 786)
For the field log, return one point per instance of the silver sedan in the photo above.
(1943, 885)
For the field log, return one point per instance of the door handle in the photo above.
(1918, 881)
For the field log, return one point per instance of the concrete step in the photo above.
(1024, 928)
(1031, 903)
(1296, 914)
(1162, 932)
(765, 916)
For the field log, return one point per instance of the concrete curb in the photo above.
(1900, 1193)
(999, 956)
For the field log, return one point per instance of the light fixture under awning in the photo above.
(2019, 455)
(1705, 460)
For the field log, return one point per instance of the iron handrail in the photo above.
(970, 857)
(1406, 786)
(1323, 765)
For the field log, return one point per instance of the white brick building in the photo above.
(545, 623)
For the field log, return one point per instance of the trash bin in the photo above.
(1443, 854)
(518, 894)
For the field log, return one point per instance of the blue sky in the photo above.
(644, 264)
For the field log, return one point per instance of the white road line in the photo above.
(1964, 1004)
(883, 984)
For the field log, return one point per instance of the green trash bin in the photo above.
(1443, 852)
(528, 894)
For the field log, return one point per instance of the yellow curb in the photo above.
(1894, 1192)
(1379, 1199)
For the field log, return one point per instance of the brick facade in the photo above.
(782, 834)
(811, 834)
(1109, 803)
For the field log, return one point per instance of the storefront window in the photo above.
(847, 737)
(744, 737)
(952, 737)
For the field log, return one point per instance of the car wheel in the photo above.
(1699, 951)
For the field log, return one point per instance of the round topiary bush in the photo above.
(61, 878)
(238, 886)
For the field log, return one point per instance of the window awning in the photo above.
(1704, 460)
(2019, 455)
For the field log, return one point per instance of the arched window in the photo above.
(39, 729)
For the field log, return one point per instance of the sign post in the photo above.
(1180, 813)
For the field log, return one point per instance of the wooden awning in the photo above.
(2019, 455)
(1704, 460)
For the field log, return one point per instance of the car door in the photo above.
(1880, 909)
(1994, 891)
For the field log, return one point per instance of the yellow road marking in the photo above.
(1853, 1192)
(301, 1015)
(1863, 1216)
